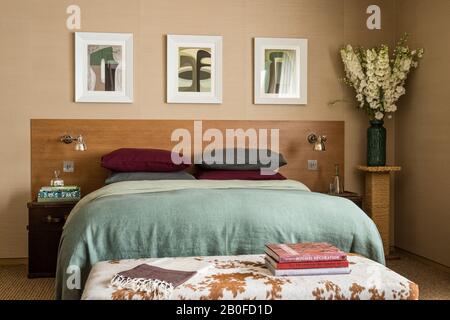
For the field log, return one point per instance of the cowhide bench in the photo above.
(246, 277)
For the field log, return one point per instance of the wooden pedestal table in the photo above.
(377, 199)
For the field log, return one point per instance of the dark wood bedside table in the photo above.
(45, 223)
(352, 196)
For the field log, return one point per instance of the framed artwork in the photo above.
(103, 67)
(194, 69)
(281, 70)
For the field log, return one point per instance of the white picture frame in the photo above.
(103, 67)
(194, 69)
(271, 55)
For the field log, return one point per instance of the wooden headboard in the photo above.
(104, 136)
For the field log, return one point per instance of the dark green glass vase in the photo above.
(376, 144)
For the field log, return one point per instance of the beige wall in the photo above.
(423, 134)
(36, 60)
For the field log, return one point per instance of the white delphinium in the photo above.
(378, 81)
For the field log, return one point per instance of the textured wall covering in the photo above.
(37, 73)
(422, 135)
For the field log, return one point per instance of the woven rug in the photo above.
(14, 285)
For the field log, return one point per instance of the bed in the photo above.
(172, 218)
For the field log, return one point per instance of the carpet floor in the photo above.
(434, 283)
(15, 285)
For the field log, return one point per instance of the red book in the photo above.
(307, 265)
(306, 251)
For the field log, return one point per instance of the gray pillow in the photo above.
(242, 160)
(137, 176)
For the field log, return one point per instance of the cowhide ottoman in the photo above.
(246, 277)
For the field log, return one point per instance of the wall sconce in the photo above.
(318, 141)
(80, 144)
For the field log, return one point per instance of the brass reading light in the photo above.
(318, 141)
(80, 144)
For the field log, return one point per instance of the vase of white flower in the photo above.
(379, 81)
(376, 144)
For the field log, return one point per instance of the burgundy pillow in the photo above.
(141, 160)
(237, 175)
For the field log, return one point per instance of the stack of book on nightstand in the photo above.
(58, 194)
(311, 258)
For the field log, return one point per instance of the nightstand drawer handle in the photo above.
(50, 219)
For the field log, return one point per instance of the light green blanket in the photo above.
(143, 219)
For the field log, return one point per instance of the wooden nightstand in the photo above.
(45, 223)
(352, 196)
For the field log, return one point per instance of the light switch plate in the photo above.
(68, 166)
(312, 165)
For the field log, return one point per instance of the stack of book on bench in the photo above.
(301, 259)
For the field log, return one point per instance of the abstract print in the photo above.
(280, 72)
(194, 69)
(104, 68)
